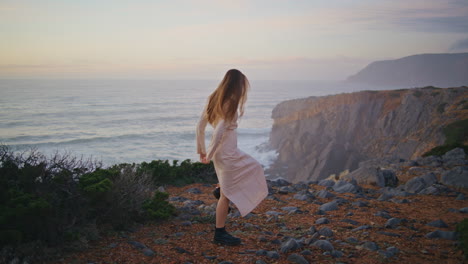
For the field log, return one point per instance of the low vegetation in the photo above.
(456, 134)
(49, 201)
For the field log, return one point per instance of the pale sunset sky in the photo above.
(201, 39)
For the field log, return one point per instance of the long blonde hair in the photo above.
(230, 96)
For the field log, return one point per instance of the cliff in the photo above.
(319, 136)
(443, 70)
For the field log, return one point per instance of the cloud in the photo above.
(460, 45)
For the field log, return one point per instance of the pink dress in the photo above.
(240, 176)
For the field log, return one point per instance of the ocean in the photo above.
(127, 121)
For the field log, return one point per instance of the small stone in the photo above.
(289, 245)
(194, 191)
(464, 210)
(372, 246)
(349, 221)
(383, 214)
(186, 223)
(331, 206)
(388, 234)
(352, 240)
(148, 252)
(295, 258)
(225, 262)
(306, 252)
(136, 244)
(260, 262)
(449, 235)
(322, 221)
(273, 213)
(261, 252)
(392, 223)
(273, 254)
(326, 232)
(325, 194)
(361, 204)
(437, 223)
(361, 228)
(324, 245)
(326, 183)
(289, 208)
(336, 254)
(460, 196)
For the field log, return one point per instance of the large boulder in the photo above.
(454, 157)
(345, 187)
(456, 177)
(370, 174)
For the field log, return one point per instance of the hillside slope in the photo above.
(443, 70)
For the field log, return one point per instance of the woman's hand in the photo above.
(203, 159)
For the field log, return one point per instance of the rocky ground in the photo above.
(331, 221)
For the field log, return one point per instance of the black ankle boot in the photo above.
(222, 237)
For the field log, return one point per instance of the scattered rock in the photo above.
(460, 196)
(289, 208)
(392, 223)
(324, 245)
(137, 245)
(286, 190)
(322, 221)
(456, 177)
(437, 223)
(449, 235)
(349, 221)
(331, 206)
(389, 234)
(279, 183)
(361, 228)
(336, 254)
(415, 185)
(273, 213)
(464, 210)
(295, 258)
(326, 183)
(289, 245)
(194, 191)
(273, 255)
(148, 252)
(372, 246)
(345, 187)
(325, 194)
(326, 232)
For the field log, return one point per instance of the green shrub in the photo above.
(158, 208)
(187, 172)
(462, 230)
(441, 150)
(96, 184)
(434, 94)
(455, 134)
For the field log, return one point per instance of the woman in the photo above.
(240, 176)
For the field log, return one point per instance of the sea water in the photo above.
(126, 121)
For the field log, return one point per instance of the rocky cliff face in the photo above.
(319, 136)
(443, 70)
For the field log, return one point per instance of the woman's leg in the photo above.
(221, 235)
(222, 211)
